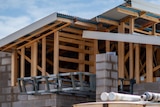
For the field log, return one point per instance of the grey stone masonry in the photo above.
(10, 96)
(106, 73)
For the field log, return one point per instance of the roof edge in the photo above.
(145, 6)
(28, 29)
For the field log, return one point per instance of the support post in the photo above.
(44, 56)
(137, 63)
(108, 46)
(34, 57)
(154, 29)
(22, 62)
(121, 53)
(131, 48)
(56, 53)
(82, 57)
(14, 68)
(92, 69)
(149, 63)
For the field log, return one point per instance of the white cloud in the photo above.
(10, 24)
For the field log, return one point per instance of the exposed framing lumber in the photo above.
(135, 14)
(56, 53)
(121, 62)
(156, 68)
(154, 29)
(74, 41)
(142, 66)
(67, 70)
(149, 62)
(44, 56)
(76, 22)
(121, 59)
(14, 68)
(34, 58)
(25, 39)
(93, 57)
(75, 49)
(146, 25)
(131, 48)
(131, 61)
(80, 61)
(81, 57)
(54, 30)
(22, 63)
(141, 31)
(108, 46)
(71, 36)
(137, 63)
(150, 18)
(29, 60)
(111, 28)
(76, 31)
(106, 21)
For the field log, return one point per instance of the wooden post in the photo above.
(154, 29)
(108, 46)
(44, 56)
(22, 62)
(34, 53)
(82, 57)
(149, 63)
(92, 69)
(121, 53)
(137, 63)
(14, 68)
(56, 53)
(131, 48)
(131, 61)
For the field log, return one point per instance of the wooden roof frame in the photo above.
(55, 19)
(134, 8)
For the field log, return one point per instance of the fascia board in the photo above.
(145, 6)
(131, 38)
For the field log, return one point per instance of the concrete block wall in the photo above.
(50, 100)
(5, 85)
(139, 89)
(106, 73)
(10, 96)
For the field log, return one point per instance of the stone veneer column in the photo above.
(106, 73)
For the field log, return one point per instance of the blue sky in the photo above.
(16, 14)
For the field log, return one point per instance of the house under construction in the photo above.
(52, 62)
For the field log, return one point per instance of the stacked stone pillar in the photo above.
(106, 73)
